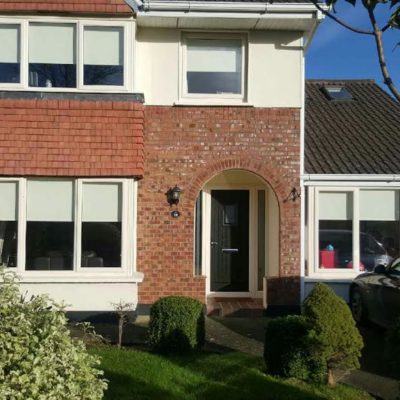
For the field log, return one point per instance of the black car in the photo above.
(375, 296)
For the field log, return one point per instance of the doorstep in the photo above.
(244, 307)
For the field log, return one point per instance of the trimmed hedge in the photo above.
(290, 350)
(335, 329)
(176, 325)
(313, 345)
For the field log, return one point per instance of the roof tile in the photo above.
(360, 136)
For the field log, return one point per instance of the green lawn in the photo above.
(140, 375)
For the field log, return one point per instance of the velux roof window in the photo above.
(337, 93)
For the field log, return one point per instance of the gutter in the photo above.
(348, 177)
(223, 7)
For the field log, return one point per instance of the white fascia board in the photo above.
(228, 7)
(385, 178)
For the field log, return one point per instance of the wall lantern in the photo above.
(294, 195)
(173, 195)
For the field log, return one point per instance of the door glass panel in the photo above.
(261, 239)
(231, 214)
(198, 236)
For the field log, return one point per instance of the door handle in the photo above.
(230, 251)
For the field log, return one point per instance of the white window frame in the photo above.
(128, 26)
(128, 239)
(313, 229)
(224, 97)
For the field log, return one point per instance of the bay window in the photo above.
(67, 226)
(10, 53)
(352, 229)
(8, 223)
(52, 55)
(75, 54)
(101, 225)
(103, 56)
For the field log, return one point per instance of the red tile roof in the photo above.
(360, 136)
(65, 6)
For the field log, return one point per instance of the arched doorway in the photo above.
(237, 234)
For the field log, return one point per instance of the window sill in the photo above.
(212, 102)
(74, 277)
(332, 278)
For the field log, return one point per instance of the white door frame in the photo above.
(253, 239)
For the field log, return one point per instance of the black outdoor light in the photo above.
(173, 195)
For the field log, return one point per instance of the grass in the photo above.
(141, 375)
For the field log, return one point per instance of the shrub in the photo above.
(290, 350)
(176, 325)
(38, 358)
(335, 330)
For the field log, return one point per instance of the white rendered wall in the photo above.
(85, 296)
(274, 67)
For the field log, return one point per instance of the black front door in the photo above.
(230, 240)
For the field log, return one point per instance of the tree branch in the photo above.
(340, 22)
(381, 55)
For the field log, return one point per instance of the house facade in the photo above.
(107, 106)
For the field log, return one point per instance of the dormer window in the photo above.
(69, 55)
(213, 66)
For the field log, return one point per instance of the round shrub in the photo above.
(176, 325)
(38, 358)
(290, 350)
(335, 330)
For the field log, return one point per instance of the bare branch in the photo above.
(381, 56)
(340, 22)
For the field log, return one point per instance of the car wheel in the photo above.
(358, 308)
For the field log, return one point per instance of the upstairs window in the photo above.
(52, 55)
(10, 66)
(103, 56)
(69, 55)
(214, 66)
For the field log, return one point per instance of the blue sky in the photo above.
(337, 53)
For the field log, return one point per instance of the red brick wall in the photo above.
(189, 145)
(71, 138)
(72, 6)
